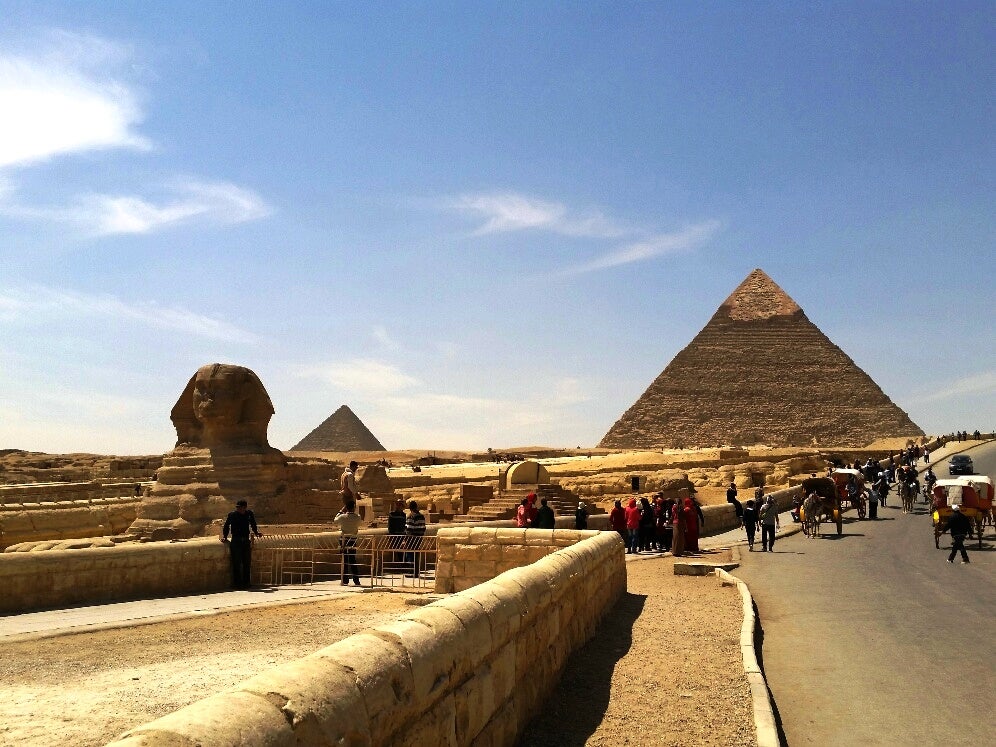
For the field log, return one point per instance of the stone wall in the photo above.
(471, 669)
(65, 519)
(62, 578)
(468, 556)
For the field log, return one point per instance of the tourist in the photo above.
(617, 520)
(769, 524)
(694, 522)
(414, 532)
(665, 533)
(396, 527)
(647, 525)
(242, 524)
(349, 527)
(882, 486)
(633, 527)
(731, 498)
(749, 522)
(581, 517)
(348, 484)
(960, 527)
(544, 516)
(873, 496)
(926, 455)
(531, 500)
(522, 514)
(678, 525)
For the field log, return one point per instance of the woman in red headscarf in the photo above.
(693, 522)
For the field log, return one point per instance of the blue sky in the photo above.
(479, 225)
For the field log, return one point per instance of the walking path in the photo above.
(143, 611)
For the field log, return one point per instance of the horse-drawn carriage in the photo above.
(974, 493)
(821, 503)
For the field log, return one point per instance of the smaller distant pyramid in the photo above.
(341, 431)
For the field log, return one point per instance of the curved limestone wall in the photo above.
(470, 669)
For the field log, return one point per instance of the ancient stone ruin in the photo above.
(222, 454)
(341, 431)
(760, 373)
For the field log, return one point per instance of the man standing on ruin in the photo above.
(242, 524)
(348, 484)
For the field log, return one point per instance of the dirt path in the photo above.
(664, 669)
(86, 689)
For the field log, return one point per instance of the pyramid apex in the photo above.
(758, 297)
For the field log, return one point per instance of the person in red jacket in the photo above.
(533, 511)
(617, 520)
(522, 514)
(633, 526)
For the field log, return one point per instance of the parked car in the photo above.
(961, 464)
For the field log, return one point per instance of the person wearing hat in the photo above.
(581, 517)
(959, 526)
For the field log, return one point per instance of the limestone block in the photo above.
(468, 552)
(514, 555)
(434, 728)
(384, 678)
(317, 697)
(210, 722)
(434, 643)
(502, 729)
(504, 606)
(475, 621)
(455, 533)
(512, 536)
(480, 568)
(474, 704)
(543, 537)
(483, 535)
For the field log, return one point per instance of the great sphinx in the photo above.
(222, 454)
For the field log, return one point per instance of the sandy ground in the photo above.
(664, 669)
(86, 689)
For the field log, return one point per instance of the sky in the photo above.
(480, 224)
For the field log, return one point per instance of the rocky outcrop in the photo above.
(341, 431)
(760, 373)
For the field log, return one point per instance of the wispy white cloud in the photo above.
(66, 95)
(569, 391)
(983, 383)
(219, 203)
(383, 337)
(40, 303)
(359, 375)
(509, 211)
(686, 239)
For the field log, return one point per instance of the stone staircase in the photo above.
(503, 507)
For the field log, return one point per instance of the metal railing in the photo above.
(385, 560)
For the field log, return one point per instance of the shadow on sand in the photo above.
(582, 696)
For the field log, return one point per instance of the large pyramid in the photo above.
(760, 373)
(341, 431)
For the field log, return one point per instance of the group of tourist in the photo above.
(528, 516)
(964, 436)
(659, 524)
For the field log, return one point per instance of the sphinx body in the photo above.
(222, 454)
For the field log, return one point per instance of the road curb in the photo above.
(765, 726)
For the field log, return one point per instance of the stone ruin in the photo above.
(222, 454)
(760, 373)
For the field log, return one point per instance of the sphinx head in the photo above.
(223, 407)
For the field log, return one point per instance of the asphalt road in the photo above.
(871, 638)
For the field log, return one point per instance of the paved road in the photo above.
(873, 639)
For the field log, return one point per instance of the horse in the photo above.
(815, 508)
(907, 492)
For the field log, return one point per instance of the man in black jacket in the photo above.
(545, 518)
(959, 526)
(241, 522)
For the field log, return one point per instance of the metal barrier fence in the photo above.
(386, 560)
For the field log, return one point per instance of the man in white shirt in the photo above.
(349, 525)
(348, 483)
